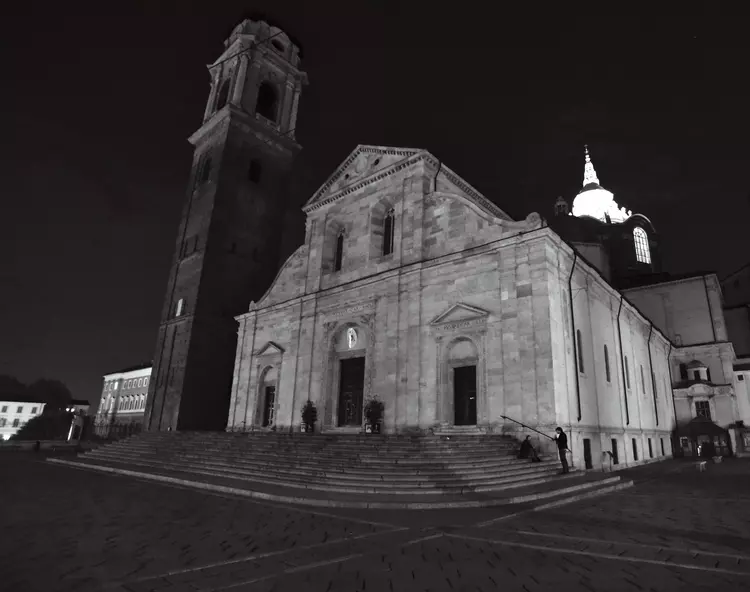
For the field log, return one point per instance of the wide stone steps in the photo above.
(434, 489)
(312, 478)
(357, 471)
(394, 470)
(363, 462)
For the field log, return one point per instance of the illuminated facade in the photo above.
(413, 288)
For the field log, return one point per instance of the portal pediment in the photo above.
(270, 349)
(459, 313)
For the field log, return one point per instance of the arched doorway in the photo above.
(463, 361)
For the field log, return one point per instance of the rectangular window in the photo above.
(643, 382)
(703, 409)
(683, 372)
(635, 450)
(627, 373)
(615, 454)
(5, 409)
(662, 446)
(2, 422)
(741, 377)
(708, 374)
(179, 307)
(33, 409)
(650, 450)
(580, 350)
(15, 422)
(20, 409)
(696, 375)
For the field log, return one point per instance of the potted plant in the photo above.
(309, 416)
(373, 416)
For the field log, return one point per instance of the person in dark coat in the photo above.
(562, 447)
(527, 450)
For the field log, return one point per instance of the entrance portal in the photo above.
(351, 391)
(465, 395)
(270, 406)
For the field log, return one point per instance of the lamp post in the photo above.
(76, 424)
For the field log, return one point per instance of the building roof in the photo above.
(735, 272)
(20, 399)
(662, 278)
(141, 366)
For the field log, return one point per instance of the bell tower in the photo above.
(228, 242)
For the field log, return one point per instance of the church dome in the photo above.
(595, 201)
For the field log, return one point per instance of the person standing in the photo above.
(562, 447)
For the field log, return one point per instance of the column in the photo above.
(239, 82)
(211, 97)
(287, 109)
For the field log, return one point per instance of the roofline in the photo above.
(736, 271)
(682, 279)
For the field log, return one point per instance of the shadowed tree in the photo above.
(52, 392)
(11, 387)
(54, 425)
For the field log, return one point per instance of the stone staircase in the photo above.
(347, 470)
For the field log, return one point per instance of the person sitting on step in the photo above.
(527, 450)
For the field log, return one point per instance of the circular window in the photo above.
(377, 162)
(346, 176)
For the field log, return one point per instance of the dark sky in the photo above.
(98, 101)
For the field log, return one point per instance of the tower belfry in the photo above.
(231, 225)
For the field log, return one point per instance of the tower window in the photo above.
(606, 364)
(254, 171)
(223, 96)
(642, 252)
(205, 170)
(643, 382)
(388, 225)
(267, 99)
(339, 252)
(580, 350)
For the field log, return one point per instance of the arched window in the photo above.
(267, 99)
(223, 95)
(642, 251)
(627, 373)
(580, 350)
(339, 252)
(388, 225)
(254, 171)
(606, 364)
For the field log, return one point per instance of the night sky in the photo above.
(98, 101)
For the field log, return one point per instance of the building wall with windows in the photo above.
(15, 414)
(123, 399)
(466, 291)
(688, 310)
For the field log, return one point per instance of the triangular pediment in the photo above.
(270, 348)
(363, 162)
(460, 312)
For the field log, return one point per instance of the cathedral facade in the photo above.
(414, 289)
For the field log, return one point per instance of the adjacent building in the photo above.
(123, 401)
(16, 413)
